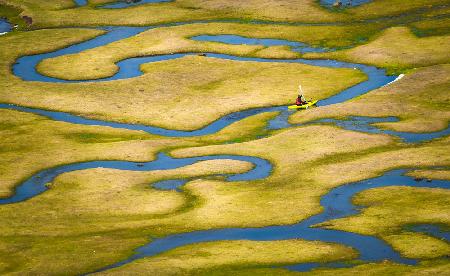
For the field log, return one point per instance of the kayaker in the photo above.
(300, 100)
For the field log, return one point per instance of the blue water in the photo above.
(128, 68)
(364, 124)
(209, 129)
(240, 40)
(170, 185)
(5, 26)
(336, 204)
(25, 67)
(124, 4)
(345, 3)
(81, 2)
(437, 231)
(36, 184)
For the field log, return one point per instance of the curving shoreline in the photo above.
(121, 4)
(371, 249)
(337, 204)
(36, 184)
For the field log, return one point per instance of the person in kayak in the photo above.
(300, 99)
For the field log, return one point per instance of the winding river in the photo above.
(124, 4)
(121, 4)
(337, 203)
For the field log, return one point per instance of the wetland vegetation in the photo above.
(259, 172)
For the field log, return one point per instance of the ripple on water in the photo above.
(5, 26)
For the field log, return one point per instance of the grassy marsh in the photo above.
(86, 212)
(396, 49)
(199, 259)
(420, 99)
(32, 143)
(100, 62)
(73, 227)
(434, 267)
(294, 196)
(186, 82)
(389, 209)
(35, 143)
(64, 13)
(97, 209)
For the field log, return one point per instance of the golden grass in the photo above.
(396, 49)
(185, 94)
(431, 174)
(199, 258)
(115, 188)
(100, 62)
(86, 212)
(31, 143)
(289, 194)
(420, 100)
(372, 164)
(391, 208)
(100, 209)
(308, 162)
(432, 26)
(62, 13)
(218, 204)
(35, 143)
(432, 267)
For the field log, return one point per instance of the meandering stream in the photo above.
(336, 203)
(124, 4)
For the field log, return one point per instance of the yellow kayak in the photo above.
(303, 106)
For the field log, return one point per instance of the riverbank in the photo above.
(264, 190)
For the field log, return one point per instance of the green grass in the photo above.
(41, 143)
(90, 137)
(420, 100)
(434, 267)
(143, 100)
(201, 259)
(397, 49)
(63, 13)
(31, 143)
(388, 210)
(86, 213)
(13, 16)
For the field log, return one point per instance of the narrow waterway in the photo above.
(336, 203)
